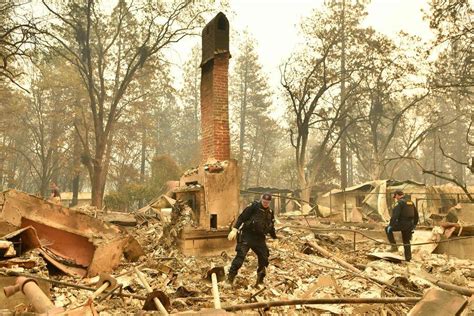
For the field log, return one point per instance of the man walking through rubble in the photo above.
(404, 218)
(255, 221)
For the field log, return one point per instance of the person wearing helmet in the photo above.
(253, 224)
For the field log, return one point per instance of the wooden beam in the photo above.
(343, 300)
(328, 255)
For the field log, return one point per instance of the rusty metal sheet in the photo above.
(28, 235)
(437, 302)
(70, 239)
(74, 271)
(59, 241)
(107, 256)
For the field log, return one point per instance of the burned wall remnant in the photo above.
(212, 189)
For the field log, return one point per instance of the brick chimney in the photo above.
(215, 201)
(214, 90)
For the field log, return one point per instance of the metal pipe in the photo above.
(343, 300)
(99, 291)
(215, 292)
(36, 297)
(76, 286)
(149, 290)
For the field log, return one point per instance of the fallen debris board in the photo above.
(437, 302)
(17, 262)
(444, 285)
(389, 256)
(123, 219)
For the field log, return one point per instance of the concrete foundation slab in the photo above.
(202, 242)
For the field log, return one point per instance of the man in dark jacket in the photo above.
(404, 218)
(255, 221)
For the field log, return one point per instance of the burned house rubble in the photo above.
(172, 256)
(317, 266)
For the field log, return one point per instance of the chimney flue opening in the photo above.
(213, 223)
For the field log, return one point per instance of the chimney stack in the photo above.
(214, 90)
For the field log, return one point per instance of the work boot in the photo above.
(230, 279)
(393, 248)
(260, 277)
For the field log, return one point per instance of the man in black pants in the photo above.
(404, 218)
(255, 221)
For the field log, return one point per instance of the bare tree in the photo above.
(468, 164)
(45, 124)
(108, 51)
(16, 37)
(306, 100)
(452, 22)
(250, 95)
(452, 81)
(309, 80)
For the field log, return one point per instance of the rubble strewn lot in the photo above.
(309, 260)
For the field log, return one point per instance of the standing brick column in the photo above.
(214, 90)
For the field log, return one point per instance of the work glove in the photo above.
(233, 234)
(389, 229)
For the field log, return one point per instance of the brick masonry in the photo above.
(215, 108)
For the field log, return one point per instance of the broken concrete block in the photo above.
(133, 250)
(6, 249)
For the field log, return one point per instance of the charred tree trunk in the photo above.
(75, 190)
(142, 165)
